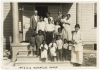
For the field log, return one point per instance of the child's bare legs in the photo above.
(54, 58)
(64, 54)
(60, 54)
(30, 51)
(43, 59)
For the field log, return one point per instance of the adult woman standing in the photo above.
(77, 49)
(67, 29)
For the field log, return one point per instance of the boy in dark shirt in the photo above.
(39, 40)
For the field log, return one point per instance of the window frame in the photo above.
(94, 17)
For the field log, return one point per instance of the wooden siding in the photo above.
(89, 32)
(70, 8)
(7, 24)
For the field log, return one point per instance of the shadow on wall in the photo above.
(66, 7)
(27, 35)
(7, 28)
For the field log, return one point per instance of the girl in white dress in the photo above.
(53, 48)
(77, 49)
(44, 48)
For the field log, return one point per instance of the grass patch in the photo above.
(89, 59)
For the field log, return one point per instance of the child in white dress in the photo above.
(56, 27)
(65, 49)
(59, 43)
(44, 48)
(53, 48)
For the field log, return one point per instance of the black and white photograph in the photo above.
(49, 35)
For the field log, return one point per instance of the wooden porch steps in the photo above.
(39, 63)
(27, 58)
(23, 60)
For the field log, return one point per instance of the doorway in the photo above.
(42, 10)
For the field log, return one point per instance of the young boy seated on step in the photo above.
(32, 48)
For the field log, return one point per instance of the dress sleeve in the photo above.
(49, 45)
(36, 39)
(31, 22)
(41, 46)
(46, 47)
(53, 26)
(37, 27)
(45, 27)
(55, 45)
(42, 37)
(80, 38)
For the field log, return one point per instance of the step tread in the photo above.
(40, 62)
(25, 43)
(23, 50)
(26, 56)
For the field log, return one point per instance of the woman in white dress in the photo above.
(67, 29)
(77, 48)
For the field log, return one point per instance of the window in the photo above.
(95, 14)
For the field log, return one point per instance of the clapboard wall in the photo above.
(7, 24)
(88, 30)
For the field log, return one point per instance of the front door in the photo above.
(42, 10)
(27, 13)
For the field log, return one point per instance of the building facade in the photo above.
(16, 20)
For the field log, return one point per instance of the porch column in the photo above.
(16, 43)
(78, 13)
(15, 22)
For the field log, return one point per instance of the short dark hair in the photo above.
(41, 17)
(59, 28)
(43, 41)
(58, 36)
(63, 16)
(49, 19)
(48, 13)
(39, 31)
(33, 35)
(65, 39)
(77, 25)
(68, 14)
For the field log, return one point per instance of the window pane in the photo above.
(95, 14)
(95, 7)
(95, 20)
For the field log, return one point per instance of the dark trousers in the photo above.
(59, 54)
(38, 49)
(43, 32)
(65, 54)
(49, 37)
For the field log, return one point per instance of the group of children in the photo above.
(49, 42)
